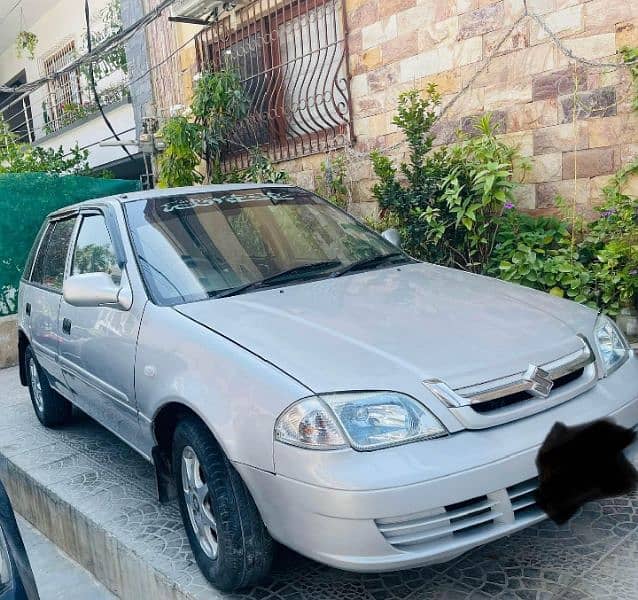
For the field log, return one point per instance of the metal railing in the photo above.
(291, 56)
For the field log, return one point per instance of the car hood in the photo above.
(381, 329)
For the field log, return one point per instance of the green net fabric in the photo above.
(25, 200)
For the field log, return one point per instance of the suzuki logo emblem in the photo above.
(540, 383)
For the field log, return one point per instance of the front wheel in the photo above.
(229, 539)
(51, 409)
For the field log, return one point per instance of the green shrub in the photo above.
(219, 104)
(455, 207)
(447, 203)
(178, 163)
(597, 265)
(333, 182)
(537, 252)
(260, 170)
(18, 157)
(610, 245)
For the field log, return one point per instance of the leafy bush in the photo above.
(333, 183)
(610, 245)
(203, 133)
(219, 104)
(18, 157)
(537, 252)
(598, 268)
(446, 203)
(455, 207)
(178, 163)
(261, 170)
(412, 198)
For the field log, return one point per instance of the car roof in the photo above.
(166, 193)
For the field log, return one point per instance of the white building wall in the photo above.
(88, 133)
(57, 23)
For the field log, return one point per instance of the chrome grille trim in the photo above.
(512, 384)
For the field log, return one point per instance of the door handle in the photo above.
(66, 326)
(27, 309)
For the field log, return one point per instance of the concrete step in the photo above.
(58, 576)
(93, 497)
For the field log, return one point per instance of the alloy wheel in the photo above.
(36, 386)
(198, 504)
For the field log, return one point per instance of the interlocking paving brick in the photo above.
(95, 497)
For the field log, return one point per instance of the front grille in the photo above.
(509, 390)
(498, 403)
(462, 520)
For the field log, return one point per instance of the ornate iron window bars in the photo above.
(292, 59)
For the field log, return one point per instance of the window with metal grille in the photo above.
(64, 95)
(291, 57)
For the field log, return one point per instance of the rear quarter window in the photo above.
(48, 269)
(40, 240)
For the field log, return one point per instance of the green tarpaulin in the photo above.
(25, 199)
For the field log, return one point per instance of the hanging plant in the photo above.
(26, 43)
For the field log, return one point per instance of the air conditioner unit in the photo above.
(199, 12)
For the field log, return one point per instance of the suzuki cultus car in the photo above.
(296, 377)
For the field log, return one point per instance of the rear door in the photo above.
(98, 344)
(42, 298)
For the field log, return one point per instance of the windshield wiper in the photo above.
(371, 261)
(299, 270)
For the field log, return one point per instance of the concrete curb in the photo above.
(110, 561)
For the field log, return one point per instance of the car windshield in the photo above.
(208, 244)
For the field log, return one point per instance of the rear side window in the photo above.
(35, 262)
(49, 264)
(28, 267)
(94, 250)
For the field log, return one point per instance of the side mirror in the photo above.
(392, 236)
(95, 289)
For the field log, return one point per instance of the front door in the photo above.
(97, 348)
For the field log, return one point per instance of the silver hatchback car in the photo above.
(294, 376)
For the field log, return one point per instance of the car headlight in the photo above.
(612, 346)
(5, 564)
(363, 420)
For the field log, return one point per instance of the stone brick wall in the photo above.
(546, 103)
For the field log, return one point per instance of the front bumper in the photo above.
(371, 512)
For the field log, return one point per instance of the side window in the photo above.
(49, 265)
(38, 261)
(94, 250)
(26, 273)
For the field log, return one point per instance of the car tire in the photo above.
(227, 534)
(51, 409)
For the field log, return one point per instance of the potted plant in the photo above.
(26, 42)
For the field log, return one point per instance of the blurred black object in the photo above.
(583, 463)
(16, 577)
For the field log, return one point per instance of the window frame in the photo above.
(50, 63)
